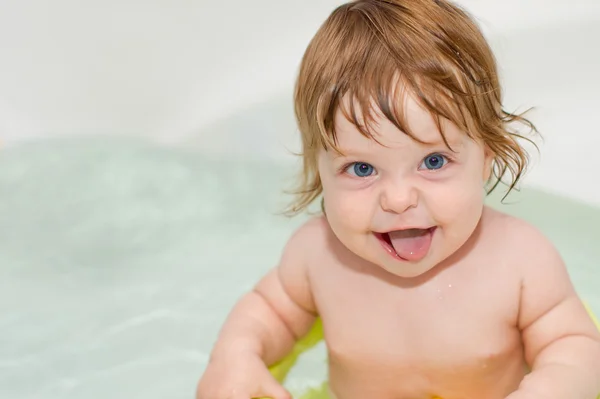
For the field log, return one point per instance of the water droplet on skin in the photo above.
(449, 285)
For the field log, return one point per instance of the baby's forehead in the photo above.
(418, 126)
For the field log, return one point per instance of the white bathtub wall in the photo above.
(191, 72)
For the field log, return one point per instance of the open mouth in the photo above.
(408, 245)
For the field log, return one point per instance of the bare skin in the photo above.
(489, 299)
(453, 332)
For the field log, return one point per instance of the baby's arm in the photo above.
(263, 327)
(561, 343)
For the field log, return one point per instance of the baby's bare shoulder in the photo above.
(519, 239)
(306, 246)
(514, 231)
(309, 238)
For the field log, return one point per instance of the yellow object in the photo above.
(314, 336)
(593, 316)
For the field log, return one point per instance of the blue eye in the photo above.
(360, 169)
(434, 161)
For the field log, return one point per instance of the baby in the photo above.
(422, 290)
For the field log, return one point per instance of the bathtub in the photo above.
(139, 197)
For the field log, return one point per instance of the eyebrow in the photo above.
(342, 154)
(452, 143)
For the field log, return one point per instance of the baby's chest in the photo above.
(439, 342)
(445, 326)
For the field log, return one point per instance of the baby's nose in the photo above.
(398, 197)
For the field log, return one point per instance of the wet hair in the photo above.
(367, 50)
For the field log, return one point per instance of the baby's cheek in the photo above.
(338, 205)
(458, 203)
(347, 210)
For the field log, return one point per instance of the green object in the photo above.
(314, 336)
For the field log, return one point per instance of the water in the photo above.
(119, 261)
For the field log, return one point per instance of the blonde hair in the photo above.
(366, 47)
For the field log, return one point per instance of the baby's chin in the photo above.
(409, 271)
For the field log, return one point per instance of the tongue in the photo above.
(411, 244)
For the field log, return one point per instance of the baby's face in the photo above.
(403, 205)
